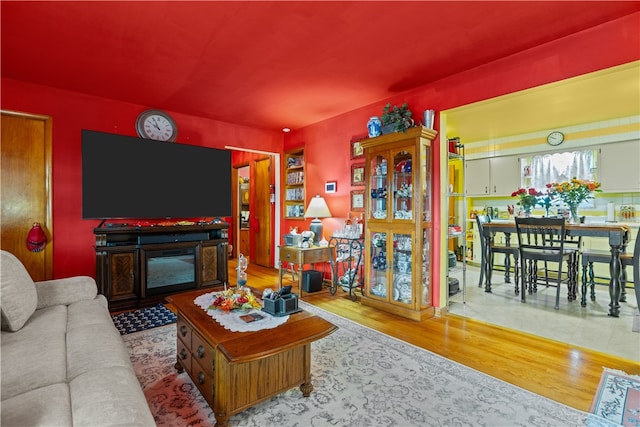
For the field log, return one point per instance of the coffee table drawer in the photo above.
(202, 352)
(184, 356)
(203, 380)
(184, 331)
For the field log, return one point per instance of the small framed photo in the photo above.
(357, 174)
(357, 152)
(357, 200)
(330, 187)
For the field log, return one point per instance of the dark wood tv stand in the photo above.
(122, 255)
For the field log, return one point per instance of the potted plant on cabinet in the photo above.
(396, 119)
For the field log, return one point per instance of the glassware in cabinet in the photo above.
(378, 187)
(377, 265)
(402, 185)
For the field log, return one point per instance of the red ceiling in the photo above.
(272, 64)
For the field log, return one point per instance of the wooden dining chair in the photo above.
(589, 256)
(542, 239)
(508, 250)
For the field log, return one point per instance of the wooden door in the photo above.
(25, 193)
(261, 208)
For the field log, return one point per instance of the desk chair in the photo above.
(507, 250)
(589, 256)
(542, 239)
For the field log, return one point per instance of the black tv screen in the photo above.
(129, 177)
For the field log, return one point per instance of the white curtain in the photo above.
(559, 167)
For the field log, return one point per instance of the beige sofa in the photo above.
(63, 361)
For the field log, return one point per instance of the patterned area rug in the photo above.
(361, 378)
(142, 319)
(618, 398)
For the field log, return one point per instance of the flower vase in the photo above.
(574, 218)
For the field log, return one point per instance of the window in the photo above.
(540, 170)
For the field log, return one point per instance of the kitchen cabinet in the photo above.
(495, 176)
(398, 228)
(619, 170)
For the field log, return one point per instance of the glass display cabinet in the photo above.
(398, 228)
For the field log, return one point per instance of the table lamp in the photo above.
(317, 209)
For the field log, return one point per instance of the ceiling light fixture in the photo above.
(286, 130)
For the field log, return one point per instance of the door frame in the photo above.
(277, 180)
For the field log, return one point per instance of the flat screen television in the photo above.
(129, 177)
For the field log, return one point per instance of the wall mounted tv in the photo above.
(129, 177)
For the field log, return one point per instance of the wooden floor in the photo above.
(558, 371)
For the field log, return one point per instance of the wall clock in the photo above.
(156, 125)
(555, 138)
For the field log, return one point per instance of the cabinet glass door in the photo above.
(378, 265)
(401, 275)
(425, 300)
(402, 186)
(378, 185)
(425, 181)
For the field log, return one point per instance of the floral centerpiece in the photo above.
(527, 198)
(574, 192)
(235, 299)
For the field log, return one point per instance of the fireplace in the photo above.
(170, 270)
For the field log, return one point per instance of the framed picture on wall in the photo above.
(357, 174)
(357, 152)
(357, 200)
(330, 186)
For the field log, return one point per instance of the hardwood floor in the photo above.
(561, 372)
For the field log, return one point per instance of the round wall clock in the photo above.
(555, 138)
(157, 125)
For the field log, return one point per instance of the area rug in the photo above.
(361, 377)
(142, 319)
(618, 398)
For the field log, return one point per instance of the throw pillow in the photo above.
(18, 293)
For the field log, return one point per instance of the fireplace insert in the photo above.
(170, 270)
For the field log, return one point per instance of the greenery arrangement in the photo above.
(400, 117)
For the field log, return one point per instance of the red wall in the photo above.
(72, 236)
(326, 143)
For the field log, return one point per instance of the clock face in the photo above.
(555, 138)
(156, 125)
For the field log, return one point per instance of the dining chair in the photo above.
(589, 256)
(507, 249)
(573, 243)
(542, 239)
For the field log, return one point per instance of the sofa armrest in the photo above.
(65, 291)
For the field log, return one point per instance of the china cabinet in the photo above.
(294, 179)
(398, 233)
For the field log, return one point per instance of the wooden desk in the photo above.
(301, 256)
(617, 234)
(236, 370)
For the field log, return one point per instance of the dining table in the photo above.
(618, 235)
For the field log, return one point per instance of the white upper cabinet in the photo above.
(496, 176)
(620, 167)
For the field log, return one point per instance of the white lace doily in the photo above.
(231, 319)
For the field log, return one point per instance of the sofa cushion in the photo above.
(19, 297)
(32, 363)
(65, 291)
(109, 397)
(45, 406)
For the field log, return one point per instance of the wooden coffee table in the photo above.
(236, 370)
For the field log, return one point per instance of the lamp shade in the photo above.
(317, 208)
